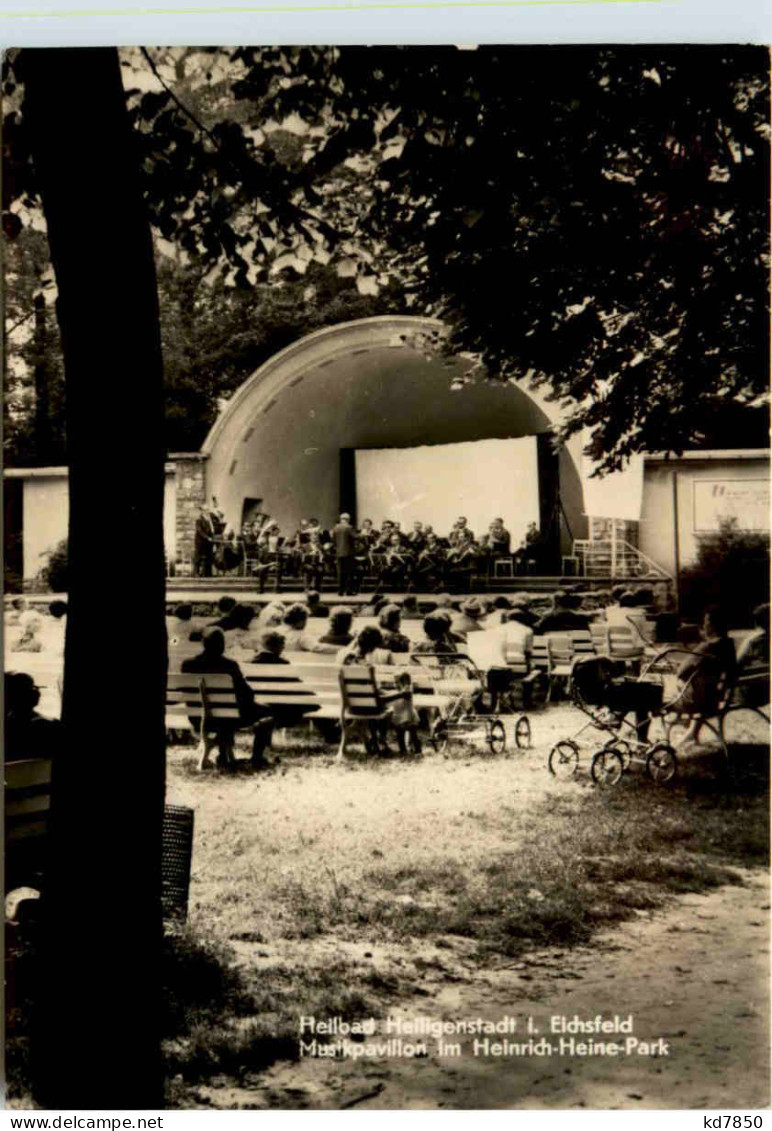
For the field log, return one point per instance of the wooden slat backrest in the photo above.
(539, 657)
(27, 798)
(599, 636)
(284, 685)
(359, 690)
(560, 649)
(582, 642)
(198, 694)
(623, 641)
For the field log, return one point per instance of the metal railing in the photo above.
(614, 557)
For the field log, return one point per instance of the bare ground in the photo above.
(693, 970)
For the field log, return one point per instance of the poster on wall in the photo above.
(745, 500)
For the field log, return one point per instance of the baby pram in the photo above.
(608, 698)
(467, 713)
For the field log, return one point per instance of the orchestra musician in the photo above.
(399, 562)
(313, 558)
(461, 560)
(430, 564)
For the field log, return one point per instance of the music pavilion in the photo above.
(365, 417)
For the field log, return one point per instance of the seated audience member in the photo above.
(501, 606)
(28, 734)
(374, 605)
(708, 673)
(182, 631)
(271, 648)
(753, 661)
(17, 608)
(271, 615)
(225, 607)
(502, 644)
(339, 628)
(404, 716)
(52, 629)
(314, 604)
(390, 621)
(627, 613)
(436, 636)
(296, 637)
(212, 660)
(367, 648)
(469, 617)
(29, 639)
(522, 602)
(410, 610)
(562, 617)
(518, 633)
(240, 639)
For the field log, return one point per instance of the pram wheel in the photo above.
(439, 736)
(563, 759)
(522, 733)
(607, 767)
(623, 749)
(661, 764)
(497, 737)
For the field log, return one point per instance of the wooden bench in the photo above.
(27, 797)
(292, 693)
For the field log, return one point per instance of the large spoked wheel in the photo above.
(662, 764)
(439, 736)
(564, 759)
(497, 737)
(607, 767)
(523, 733)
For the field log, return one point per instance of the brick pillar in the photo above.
(190, 488)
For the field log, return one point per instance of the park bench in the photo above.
(362, 702)
(292, 693)
(27, 797)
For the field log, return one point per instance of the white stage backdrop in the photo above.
(482, 479)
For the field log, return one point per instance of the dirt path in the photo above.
(695, 974)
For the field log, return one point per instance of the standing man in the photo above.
(344, 540)
(203, 544)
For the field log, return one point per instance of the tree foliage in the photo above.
(593, 219)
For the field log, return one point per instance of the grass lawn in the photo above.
(304, 873)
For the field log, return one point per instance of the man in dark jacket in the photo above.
(344, 541)
(203, 551)
(211, 661)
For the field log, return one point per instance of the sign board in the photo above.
(747, 500)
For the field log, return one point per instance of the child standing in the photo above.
(404, 716)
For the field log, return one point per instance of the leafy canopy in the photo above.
(595, 219)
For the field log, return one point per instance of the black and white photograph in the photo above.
(386, 577)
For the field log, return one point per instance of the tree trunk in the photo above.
(42, 398)
(96, 1037)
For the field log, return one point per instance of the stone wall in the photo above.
(190, 476)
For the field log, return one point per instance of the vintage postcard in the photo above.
(386, 606)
